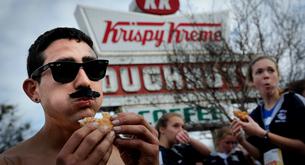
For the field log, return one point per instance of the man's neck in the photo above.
(55, 137)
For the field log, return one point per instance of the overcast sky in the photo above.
(22, 21)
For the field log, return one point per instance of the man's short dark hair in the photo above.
(35, 57)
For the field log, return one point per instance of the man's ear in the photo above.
(29, 87)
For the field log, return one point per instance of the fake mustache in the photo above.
(85, 92)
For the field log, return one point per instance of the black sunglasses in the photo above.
(66, 71)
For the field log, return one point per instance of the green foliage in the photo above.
(11, 130)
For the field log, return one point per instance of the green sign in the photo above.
(190, 114)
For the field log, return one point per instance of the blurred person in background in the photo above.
(176, 146)
(297, 86)
(227, 150)
(276, 127)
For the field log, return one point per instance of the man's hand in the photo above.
(91, 144)
(143, 148)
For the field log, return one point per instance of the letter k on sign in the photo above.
(158, 7)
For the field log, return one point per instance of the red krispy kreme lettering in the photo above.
(158, 7)
(159, 32)
(133, 35)
(179, 33)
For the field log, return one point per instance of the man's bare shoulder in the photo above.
(11, 156)
(5, 160)
(17, 154)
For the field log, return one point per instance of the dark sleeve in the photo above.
(254, 140)
(296, 119)
(191, 154)
(241, 157)
(212, 160)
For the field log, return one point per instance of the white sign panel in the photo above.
(137, 46)
(127, 32)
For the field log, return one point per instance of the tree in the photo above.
(11, 130)
(215, 73)
(272, 28)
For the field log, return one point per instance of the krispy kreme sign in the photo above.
(127, 32)
(137, 46)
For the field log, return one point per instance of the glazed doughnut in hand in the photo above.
(242, 115)
(105, 120)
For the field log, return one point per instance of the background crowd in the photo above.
(273, 132)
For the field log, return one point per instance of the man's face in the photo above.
(60, 109)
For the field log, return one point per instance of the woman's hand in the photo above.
(250, 127)
(238, 131)
(183, 137)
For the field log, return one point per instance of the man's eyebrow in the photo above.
(69, 59)
(88, 58)
(65, 59)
